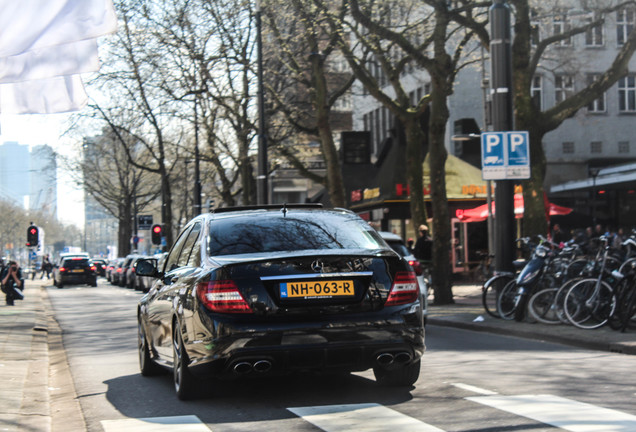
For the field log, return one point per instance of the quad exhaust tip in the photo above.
(385, 359)
(245, 367)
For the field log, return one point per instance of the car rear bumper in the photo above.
(278, 349)
(77, 279)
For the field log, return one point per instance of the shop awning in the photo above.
(463, 181)
(479, 214)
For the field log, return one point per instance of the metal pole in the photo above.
(261, 179)
(490, 220)
(502, 119)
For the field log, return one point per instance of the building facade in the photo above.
(28, 177)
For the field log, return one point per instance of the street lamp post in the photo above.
(502, 120)
(197, 176)
(261, 179)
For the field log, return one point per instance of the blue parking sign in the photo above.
(505, 155)
(518, 149)
(493, 155)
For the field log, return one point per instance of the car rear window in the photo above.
(399, 247)
(75, 263)
(295, 231)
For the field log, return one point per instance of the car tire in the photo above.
(184, 383)
(402, 376)
(147, 366)
(93, 283)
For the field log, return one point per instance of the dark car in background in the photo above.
(100, 266)
(76, 270)
(127, 277)
(116, 272)
(273, 290)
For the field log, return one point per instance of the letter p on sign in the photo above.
(492, 140)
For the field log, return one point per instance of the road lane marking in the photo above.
(473, 389)
(369, 417)
(561, 412)
(190, 423)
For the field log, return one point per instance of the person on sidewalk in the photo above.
(424, 245)
(12, 282)
(46, 267)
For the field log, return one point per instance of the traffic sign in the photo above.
(144, 222)
(505, 155)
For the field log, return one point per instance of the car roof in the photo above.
(390, 236)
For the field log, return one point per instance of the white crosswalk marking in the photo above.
(561, 412)
(473, 389)
(190, 423)
(361, 418)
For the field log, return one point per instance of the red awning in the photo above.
(479, 214)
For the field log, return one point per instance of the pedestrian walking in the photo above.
(424, 245)
(46, 267)
(12, 282)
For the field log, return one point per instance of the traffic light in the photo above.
(156, 233)
(33, 236)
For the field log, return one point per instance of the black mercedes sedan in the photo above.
(278, 289)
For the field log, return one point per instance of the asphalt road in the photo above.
(469, 382)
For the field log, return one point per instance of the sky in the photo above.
(37, 129)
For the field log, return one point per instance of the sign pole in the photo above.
(502, 120)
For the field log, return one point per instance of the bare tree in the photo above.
(303, 84)
(117, 185)
(398, 34)
(529, 55)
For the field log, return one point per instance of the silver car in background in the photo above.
(397, 244)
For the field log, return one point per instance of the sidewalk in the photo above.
(36, 390)
(24, 363)
(468, 313)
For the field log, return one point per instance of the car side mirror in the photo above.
(147, 267)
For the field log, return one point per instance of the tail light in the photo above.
(417, 266)
(62, 269)
(404, 289)
(93, 268)
(222, 296)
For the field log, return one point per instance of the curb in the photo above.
(616, 347)
(66, 412)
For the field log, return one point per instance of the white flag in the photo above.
(32, 24)
(45, 96)
(67, 59)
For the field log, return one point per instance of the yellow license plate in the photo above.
(77, 271)
(317, 289)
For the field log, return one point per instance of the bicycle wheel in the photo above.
(542, 306)
(491, 290)
(587, 306)
(507, 301)
(559, 300)
(621, 292)
(626, 310)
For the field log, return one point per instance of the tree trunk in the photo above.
(534, 215)
(415, 139)
(441, 271)
(335, 184)
(124, 233)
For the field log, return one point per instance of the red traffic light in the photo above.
(155, 234)
(33, 236)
